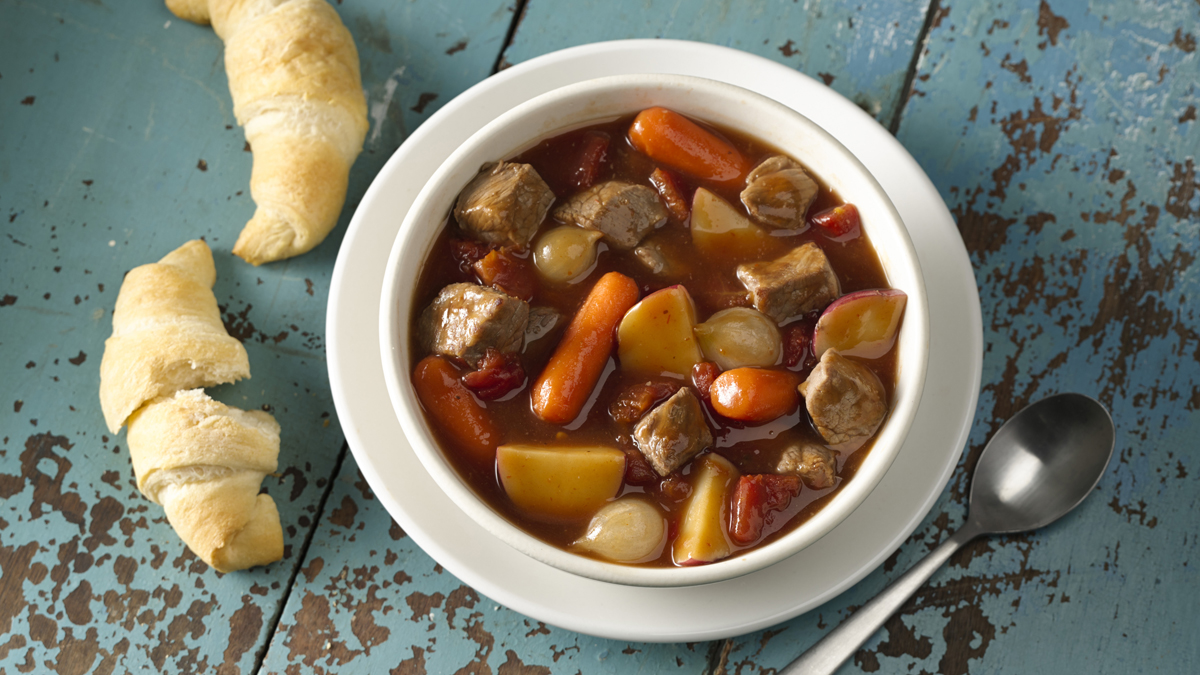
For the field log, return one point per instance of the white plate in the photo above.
(755, 601)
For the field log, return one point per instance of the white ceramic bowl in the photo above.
(723, 105)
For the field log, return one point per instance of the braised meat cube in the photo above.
(814, 464)
(465, 319)
(624, 212)
(794, 284)
(673, 433)
(778, 193)
(844, 398)
(505, 204)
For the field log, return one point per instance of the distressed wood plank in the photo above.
(864, 55)
(369, 600)
(1063, 137)
(118, 145)
(388, 605)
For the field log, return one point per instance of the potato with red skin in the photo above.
(755, 395)
(862, 323)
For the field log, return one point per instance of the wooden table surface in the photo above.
(1063, 135)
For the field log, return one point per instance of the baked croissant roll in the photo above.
(167, 335)
(293, 74)
(204, 462)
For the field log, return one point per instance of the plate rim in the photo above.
(698, 54)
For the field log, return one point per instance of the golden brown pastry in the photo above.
(167, 335)
(294, 77)
(204, 463)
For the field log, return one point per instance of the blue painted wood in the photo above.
(1064, 139)
(864, 55)
(1063, 136)
(369, 600)
(118, 144)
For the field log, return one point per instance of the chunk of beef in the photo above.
(844, 398)
(673, 433)
(624, 212)
(778, 193)
(504, 204)
(465, 319)
(816, 465)
(796, 283)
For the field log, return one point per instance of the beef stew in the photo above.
(669, 303)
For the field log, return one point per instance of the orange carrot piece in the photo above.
(455, 408)
(668, 137)
(563, 388)
(755, 394)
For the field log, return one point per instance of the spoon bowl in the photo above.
(1041, 464)
(1036, 468)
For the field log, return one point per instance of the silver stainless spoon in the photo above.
(1036, 468)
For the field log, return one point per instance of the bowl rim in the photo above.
(394, 334)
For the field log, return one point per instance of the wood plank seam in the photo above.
(518, 15)
(301, 557)
(931, 13)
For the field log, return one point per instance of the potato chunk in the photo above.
(560, 483)
(702, 533)
(655, 336)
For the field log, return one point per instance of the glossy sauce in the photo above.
(713, 285)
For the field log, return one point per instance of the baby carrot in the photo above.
(573, 371)
(754, 394)
(668, 137)
(455, 408)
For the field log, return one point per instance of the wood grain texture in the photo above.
(863, 55)
(369, 600)
(118, 145)
(1060, 136)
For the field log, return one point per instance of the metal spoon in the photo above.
(1036, 468)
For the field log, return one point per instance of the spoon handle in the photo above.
(840, 644)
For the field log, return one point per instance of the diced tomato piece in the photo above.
(466, 252)
(496, 375)
(636, 400)
(840, 222)
(754, 498)
(511, 274)
(670, 188)
(675, 488)
(797, 345)
(592, 154)
(637, 469)
(703, 375)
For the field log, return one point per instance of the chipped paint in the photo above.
(1062, 135)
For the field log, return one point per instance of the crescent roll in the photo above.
(204, 462)
(167, 335)
(294, 78)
